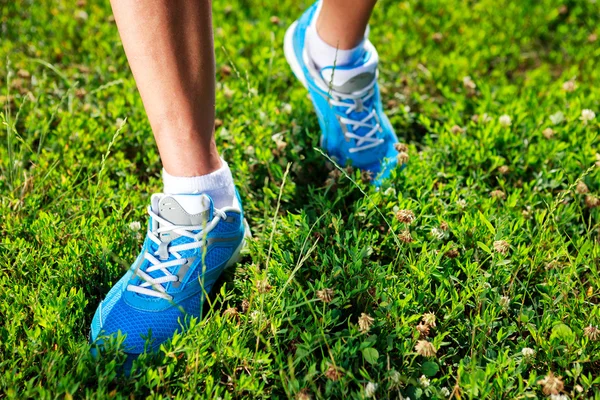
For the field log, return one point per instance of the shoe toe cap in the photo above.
(143, 330)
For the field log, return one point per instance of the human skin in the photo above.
(169, 46)
(342, 23)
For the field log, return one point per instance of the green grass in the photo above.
(71, 183)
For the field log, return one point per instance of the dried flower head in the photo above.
(405, 236)
(405, 216)
(279, 142)
(592, 333)
(303, 394)
(370, 389)
(429, 319)
(227, 92)
(402, 157)
(551, 384)
(425, 348)
(569, 86)
(23, 73)
(423, 329)
(548, 133)
(401, 147)
(592, 37)
(365, 322)
(581, 188)
(437, 37)
(592, 201)
(444, 226)
(452, 253)
(501, 246)
(231, 312)
(263, 286)
(332, 373)
(503, 170)
(498, 194)
(456, 129)
(587, 116)
(245, 306)
(325, 295)
(505, 120)
(275, 20)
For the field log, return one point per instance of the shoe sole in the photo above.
(290, 54)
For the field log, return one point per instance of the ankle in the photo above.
(218, 185)
(324, 54)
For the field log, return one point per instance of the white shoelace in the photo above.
(370, 121)
(154, 286)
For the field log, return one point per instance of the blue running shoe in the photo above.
(188, 245)
(348, 104)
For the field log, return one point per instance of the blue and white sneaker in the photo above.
(348, 104)
(188, 245)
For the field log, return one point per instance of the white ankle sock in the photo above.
(218, 185)
(325, 55)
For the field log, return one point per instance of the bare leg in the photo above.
(342, 23)
(169, 46)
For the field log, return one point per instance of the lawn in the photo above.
(473, 273)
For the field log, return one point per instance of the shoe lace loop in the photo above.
(350, 119)
(167, 256)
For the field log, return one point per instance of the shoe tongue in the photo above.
(352, 78)
(184, 209)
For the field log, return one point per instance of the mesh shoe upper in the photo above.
(133, 308)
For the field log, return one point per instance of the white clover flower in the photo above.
(504, 302)
(569, 86)
(559, 397)
(390, 192)
(587, 116)
(462, 203)
(505, 120)
(445, 392)
(255, 315)
(468, 82)
(370, 389)
(135, 226)
(424, 381)
(407, 109)
(528, 352)
(287, 108)
(437, 233)
(395, 377)
(557, 118)
(81, 15)
(486, 118)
